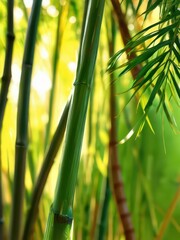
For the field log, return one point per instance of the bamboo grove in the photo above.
(89, 116)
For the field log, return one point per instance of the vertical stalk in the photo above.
(22, 123)
(85, 233)
(123, 29)
(168, 215)
(54, 73)
(103, 216)
(60, 217)
(116, 175)
(43, 175)
(1, 197)
(6, 78)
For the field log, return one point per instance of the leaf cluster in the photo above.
(157, 50)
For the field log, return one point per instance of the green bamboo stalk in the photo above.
(56, 56)
(1, 197)
(103, 215)
(88, 191)
(43, 175)
(168, 215)
(22, 123)
(6, 78)
(60, 217)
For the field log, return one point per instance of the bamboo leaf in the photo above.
(176, 69)
(176, 54)
(148, 67)
(176, 86)
(156, 88)
(150, 7)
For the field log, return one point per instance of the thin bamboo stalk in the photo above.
(43, 175)
(168, 215)
(1, 197)
(94, 220)
(103, 216)
(60, 217)
(89, 160)
(56, 57)
(22, 123)
(6, 78)
(116, 175)
(121, 18)
(115, 170)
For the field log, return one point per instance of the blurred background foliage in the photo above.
(149, 163)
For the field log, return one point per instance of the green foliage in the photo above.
(157, 47)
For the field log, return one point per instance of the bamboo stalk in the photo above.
(103, 216)
(168, 215)
(56, 57)
(43, 175)
(22, 123)
(115, 170)
(60, 217)
(116, 176)
(121, 18)
(1, 197)
(6, 78)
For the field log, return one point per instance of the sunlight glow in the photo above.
(128, 136)
(72, 19)
(14, 86)
(45, 3)
(18, 14)
(52, 11)
(46, 38)
(131, 26)
(41, 83)
(72, 66)
(28, 3)
(44, 53)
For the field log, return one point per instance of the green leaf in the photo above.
(150, 7)
(156, 89)
(176, 69)
(151, 72)
(176, 86)
(176, 54)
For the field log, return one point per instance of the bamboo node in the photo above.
(64, 219)
(10, 35)
(82, 83)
